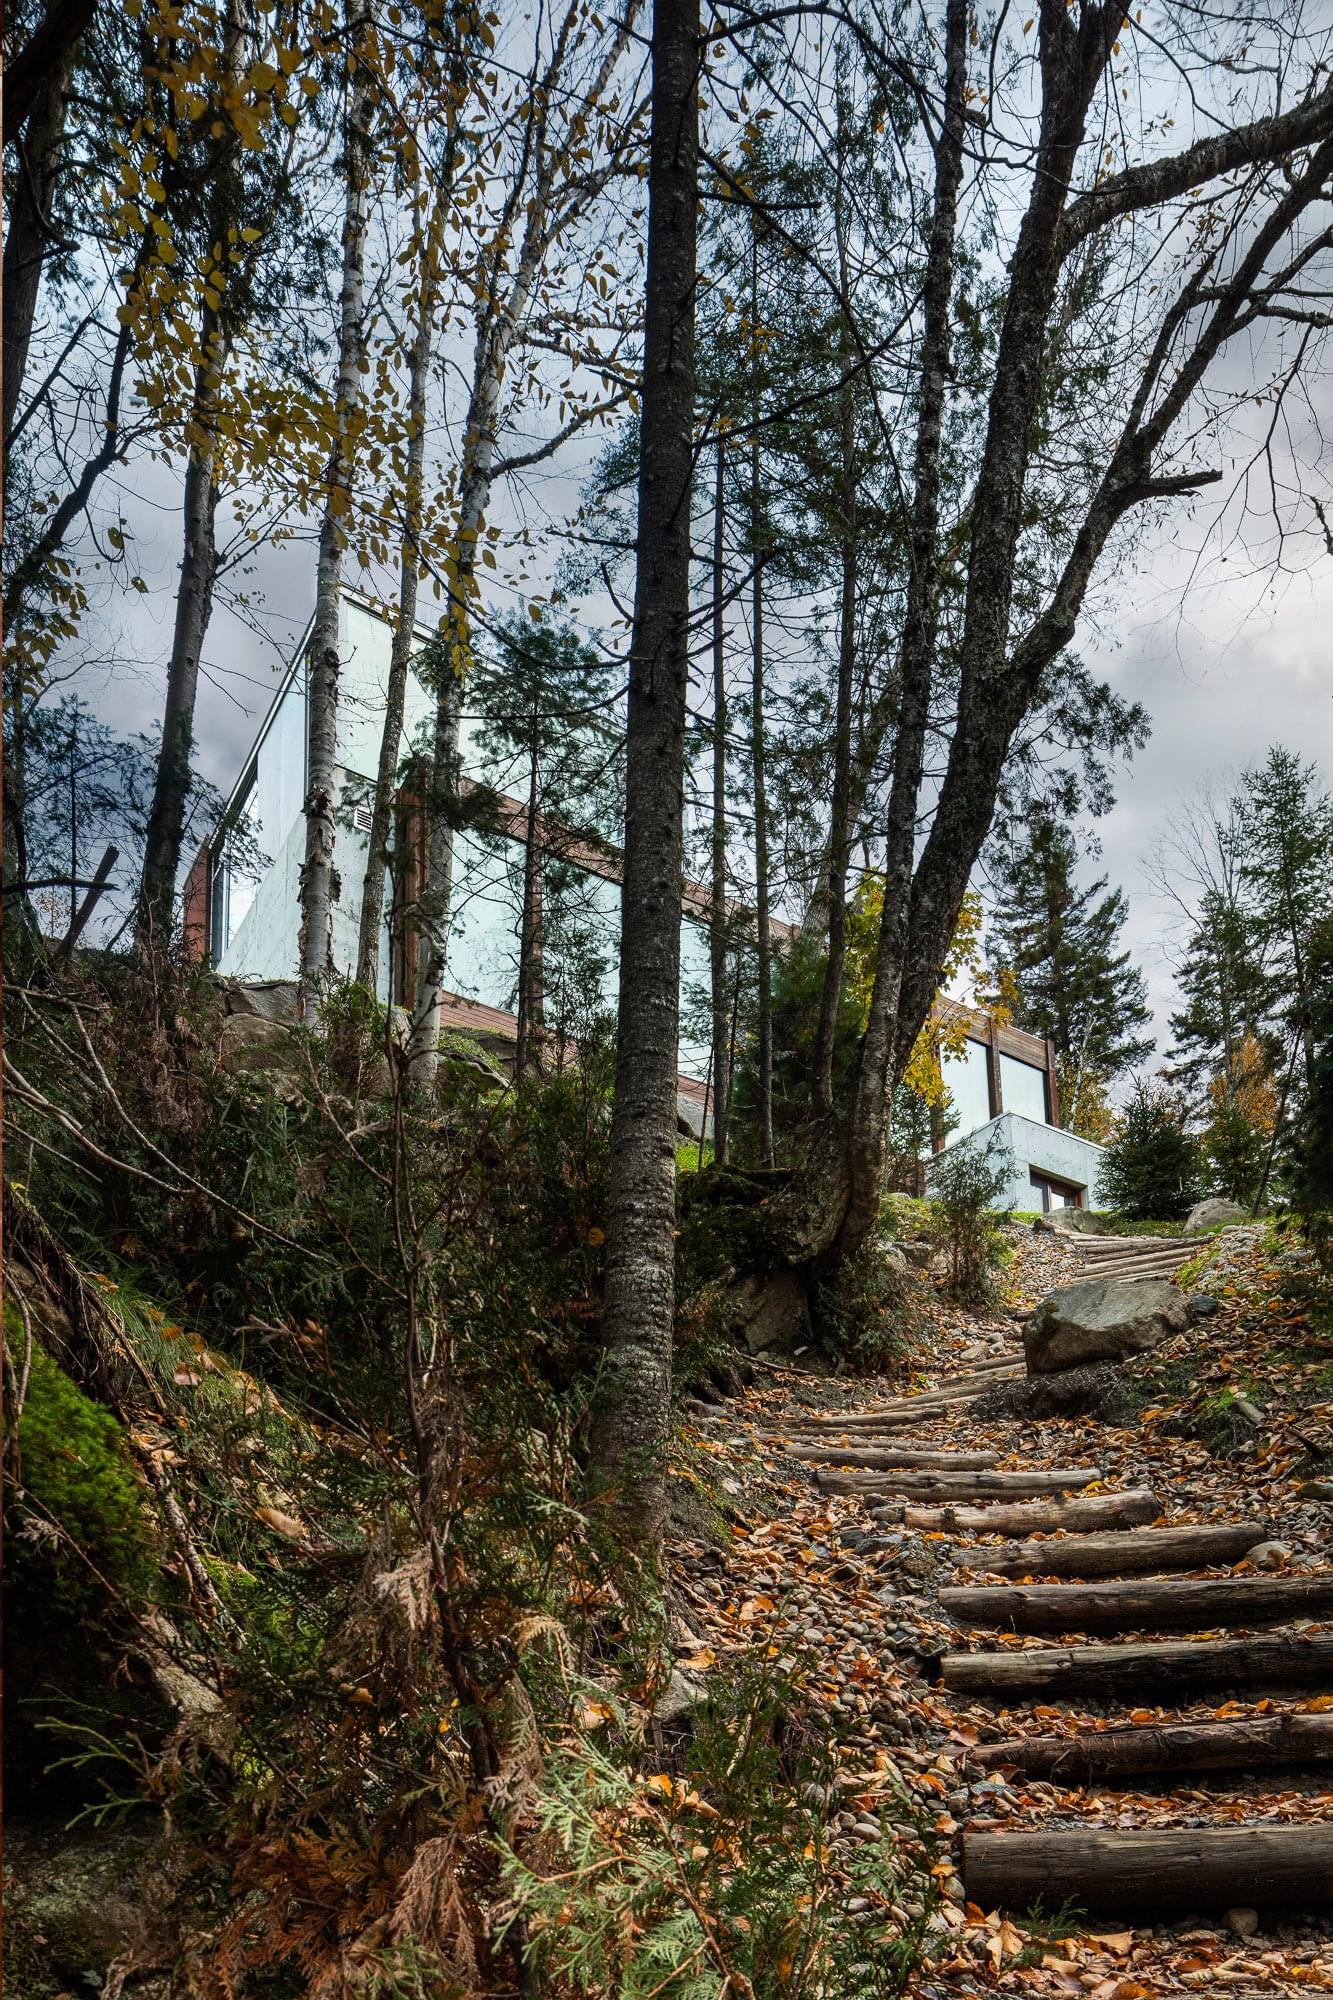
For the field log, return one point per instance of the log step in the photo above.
(1097, 1510)
(1163, 1605)
(1143, 1551)
(1251, 1743)
(1160, 1668)
(961, 1485)
(1209, 1868)
(890, 1457)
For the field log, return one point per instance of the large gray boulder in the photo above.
(1070, 1222)
(1212, 1214)
(1102, 1319)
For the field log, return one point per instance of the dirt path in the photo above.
(1093, 1665)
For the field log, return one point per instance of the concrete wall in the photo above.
(1046, 1148)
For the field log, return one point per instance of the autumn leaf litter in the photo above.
(813, 1583)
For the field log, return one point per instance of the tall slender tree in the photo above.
(319, 882)
(633, 1416)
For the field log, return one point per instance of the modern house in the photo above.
(1003, 1090)
(244, 921)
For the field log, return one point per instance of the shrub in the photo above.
(714, 1880)
(1150, 1172)
(966, 1182)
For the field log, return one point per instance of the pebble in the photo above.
(1243, 1922)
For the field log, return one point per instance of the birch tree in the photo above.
(319, 882)
(554, 182)
(435, 190)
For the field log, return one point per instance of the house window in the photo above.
(1056, 1193)
(1023, 1088)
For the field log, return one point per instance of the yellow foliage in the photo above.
(945, 1031)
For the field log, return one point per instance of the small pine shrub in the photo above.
(1150, 1171)
(966, 1183)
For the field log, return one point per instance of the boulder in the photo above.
(266, 999)
(1212, 1214)
(690, 1118)
(1102, 1319)
(918, 1254)
(262, 1051)
(1070, 1222)
(772, 1312)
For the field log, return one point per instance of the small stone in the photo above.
(1203, 1305)
(1243, 1922)
(1269, 1555)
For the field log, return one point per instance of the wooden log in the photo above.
(944, 1392)
(889, 1457)
(1137, 1871)
(962, 1485)
(1097, 1510)
(1254, 1743)
(1141, 1552)
(1161, 1605)
(1157, 1667)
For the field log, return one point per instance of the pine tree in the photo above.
(1151, 1169)
(1056, 945)
(543, 734)
(1287, 869)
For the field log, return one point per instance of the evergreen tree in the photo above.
(1287, 872)
(1151, 1169)
(1225, 990)
(543, 737)
(1054, 946)
(1311, 1179)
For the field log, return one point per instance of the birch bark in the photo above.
(499, 327)
(409, 571)
(319, 882)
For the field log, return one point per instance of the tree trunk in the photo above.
(840, 828)
(41, 149)
(1144, 1550)
(319, 881)
(199, 558)
(1149, 1872)
(1167, 1604)
(1162, 1670)
(763, 933)
(1254, 1743)
(632, 1420)
(942, 1486)
(880, 1064)
(500, 321)
(939, 1461)
(717, 937)
(409, 570)
(527, 1054)
(1029, 1517)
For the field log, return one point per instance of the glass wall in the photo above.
(965, 1077)
(1023, 1088)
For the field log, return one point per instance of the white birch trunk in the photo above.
(495, 342)
(319, 881)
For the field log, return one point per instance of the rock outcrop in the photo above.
(1102, 1319)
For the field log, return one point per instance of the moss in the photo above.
(76, 1474)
